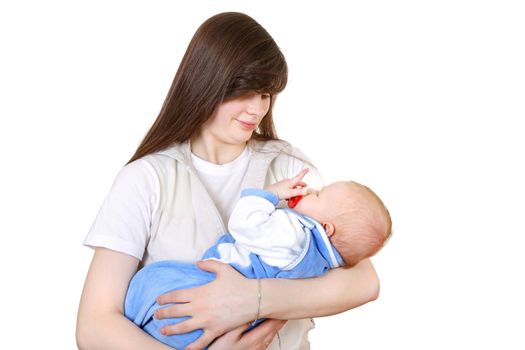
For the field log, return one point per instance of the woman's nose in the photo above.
(257, 105)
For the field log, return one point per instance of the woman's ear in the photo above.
(329, 228)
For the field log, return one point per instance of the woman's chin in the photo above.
(243, 138)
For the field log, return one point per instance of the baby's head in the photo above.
(354, 217)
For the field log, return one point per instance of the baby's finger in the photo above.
(312, 191)
(299, 191)
(297, 178)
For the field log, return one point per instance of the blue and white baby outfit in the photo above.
(263, 242)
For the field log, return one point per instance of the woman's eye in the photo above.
(265, 95)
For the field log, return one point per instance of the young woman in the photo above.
(213, 137)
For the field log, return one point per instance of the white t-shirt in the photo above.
(140, 216)
(223, 182)
(126, 214)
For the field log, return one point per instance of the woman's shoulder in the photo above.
(137, 173)
(177, 151)
(167, 159)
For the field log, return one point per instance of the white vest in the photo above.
(187, 221)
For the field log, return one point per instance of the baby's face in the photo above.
(319, 204)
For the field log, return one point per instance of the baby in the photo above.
(339, 225)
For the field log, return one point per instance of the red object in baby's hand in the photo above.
(292, 202)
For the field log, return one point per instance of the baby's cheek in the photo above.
(302, 207)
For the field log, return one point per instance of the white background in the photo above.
(420, 100)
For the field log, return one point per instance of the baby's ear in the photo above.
(329, 228)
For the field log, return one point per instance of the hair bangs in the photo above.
(263, 75)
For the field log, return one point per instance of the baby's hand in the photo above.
(288, 188)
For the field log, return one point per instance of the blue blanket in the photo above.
(165, 276)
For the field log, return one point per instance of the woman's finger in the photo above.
(179, 328)
(212, 266)
(204, 340)
(264, 332)
(176, 296)
(178, 310)
(228, 340)
(237, 332)
(273, 329)
(272, 325)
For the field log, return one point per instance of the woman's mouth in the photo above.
(246, 125)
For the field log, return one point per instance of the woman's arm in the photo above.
(337, 291)
(101, 323)
(231, 299)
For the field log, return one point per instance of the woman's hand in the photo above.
(257, 339)
(228, 302)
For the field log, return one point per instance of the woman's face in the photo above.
(235, 120)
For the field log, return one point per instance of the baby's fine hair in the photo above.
(363, 223)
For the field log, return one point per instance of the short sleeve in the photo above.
(123, 222)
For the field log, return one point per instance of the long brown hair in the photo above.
(229, 55)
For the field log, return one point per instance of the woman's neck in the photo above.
(215, 152)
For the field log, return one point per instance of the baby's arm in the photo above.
(274, 235)
(259, 228)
